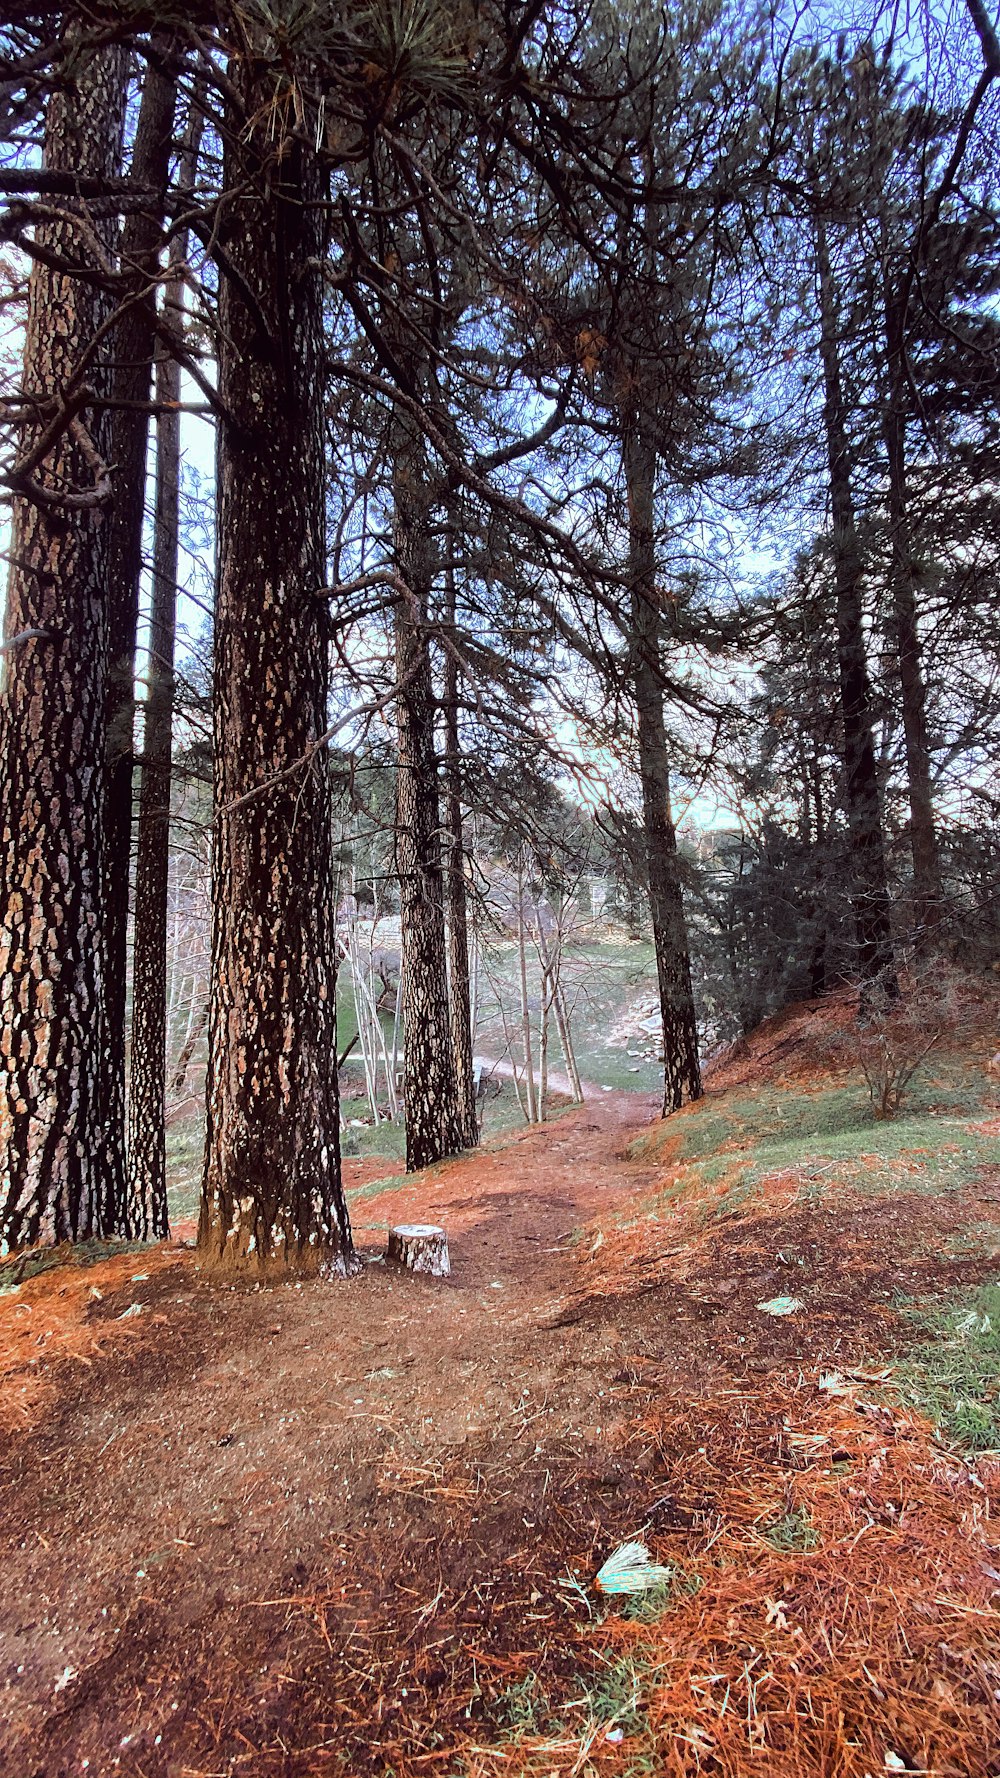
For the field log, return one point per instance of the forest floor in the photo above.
(353, 1528)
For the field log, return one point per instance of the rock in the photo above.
(419, 1247)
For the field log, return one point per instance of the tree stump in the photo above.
(419, 1247)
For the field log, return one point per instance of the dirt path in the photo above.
(321, 1529)
(241, 1447)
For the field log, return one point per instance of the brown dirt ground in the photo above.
(318, 1529)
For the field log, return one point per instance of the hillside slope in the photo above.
(353, 1529)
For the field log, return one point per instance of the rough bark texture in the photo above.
(434, 1126)
(133, 344)
(927, 890)
(460, 1002)
(147, 1199)
(272, 1196)
(148, 1057)
(54, 1150)
(147, 1189)
(530, 1094)
(681, 1068)
(870, 891)
(419, 1247)
(196, 1030)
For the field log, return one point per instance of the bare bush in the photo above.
(894, 1037)
(889, 1058)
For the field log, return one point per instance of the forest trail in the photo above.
(351, 1528)
(238, 1454)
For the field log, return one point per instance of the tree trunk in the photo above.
(927, 890)
(147, 1186)
(552, 965)
(195, 1030)
(681, 1068)
(460, 1002)
(133, 344)
(864, 814)
(522, 952)
(419, 1247)
(545, 1005)
(434, 1125)
(272, 1197)
(56, 1176)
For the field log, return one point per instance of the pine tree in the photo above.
(132, 344)
(58, 1178)
(148, 1058)
(272, 1195)
(863, 798)
(434, 1125)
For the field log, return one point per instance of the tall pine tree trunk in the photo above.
(522, 958)
(927, 888)
(681, 1068)
(870, 891)
(272, 1198)
(434, 1125)
(148, 1058)
(133, 345)
(460, 1000)
(57, 1179)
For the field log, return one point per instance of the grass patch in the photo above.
(524, 1708)
(185, 1149)
(613, 1694)
(793, 1530)
(358, 1137)
(822, 1140)
(649, 1607)
(953, 1374)
(393, 1182)
(610, 1696)
(22, 1266)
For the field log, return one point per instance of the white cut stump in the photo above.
(419, 1247)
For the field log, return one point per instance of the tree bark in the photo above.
(870, 892)
(196, 1029)
(272, 1196)
(551, 959)
(681, 1067)
(147, 1186)
(927, 888)
(56, 1156)
(460, 1001)
(419, 1247)
(434, 1125)
(133, 344)
(522, 953)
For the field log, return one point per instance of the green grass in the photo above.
(600, 981)
(835, 1116)
(828, 1138)
(792, 1530)
(610, 1694)
(20, 1267)
(368, 1139)
(523, 1708)
(613, 1694)
(185, 1143)
(953, 1374)
(648, 1607)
